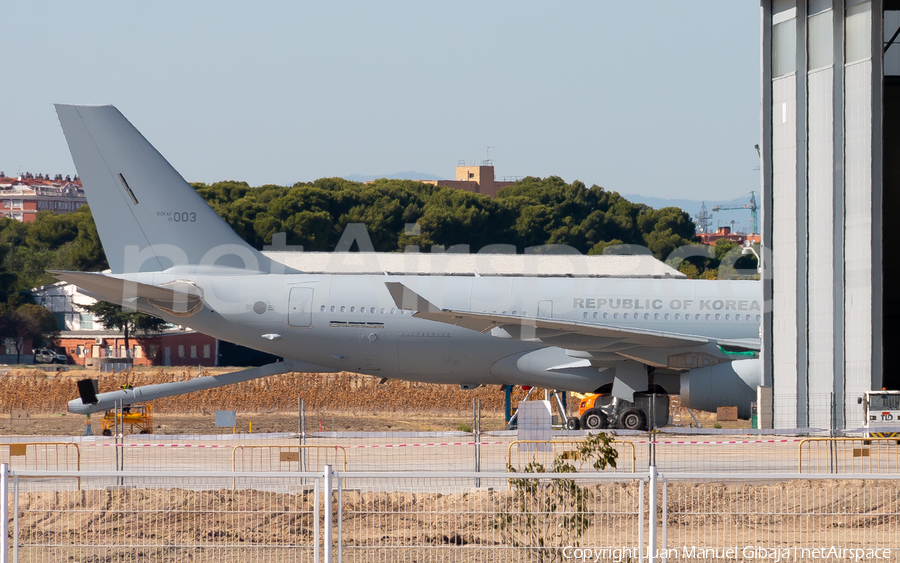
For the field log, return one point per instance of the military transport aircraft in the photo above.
(172, 256)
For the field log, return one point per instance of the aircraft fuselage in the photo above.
(351, 323)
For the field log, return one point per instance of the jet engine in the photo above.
(728, 384)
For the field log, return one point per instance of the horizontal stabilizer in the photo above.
(179, 298)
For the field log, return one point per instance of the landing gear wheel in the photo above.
(633, 419)
(593, 419)
(107, 433)
(573, 423)
(144, 432)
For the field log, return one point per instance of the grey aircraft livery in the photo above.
(172, 256)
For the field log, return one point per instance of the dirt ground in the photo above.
(33, 402)
(265, 422)
(324, 421)
(476, 525)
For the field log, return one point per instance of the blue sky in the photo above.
(655, 98)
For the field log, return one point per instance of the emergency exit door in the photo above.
(545, 309)
(300, 307)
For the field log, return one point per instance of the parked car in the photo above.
(48, 356)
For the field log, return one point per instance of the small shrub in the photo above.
(545, 516)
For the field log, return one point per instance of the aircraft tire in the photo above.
(573, 423)
(633, 419)
(593, 419)
(107, 433)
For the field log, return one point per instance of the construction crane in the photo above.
(752, 206)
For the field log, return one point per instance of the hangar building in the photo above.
(830, 105)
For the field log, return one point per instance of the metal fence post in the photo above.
(4, 512)
(641, 523)
(327, 474)
(316, 489)
(651, 516)
(301, 431)
(476, 432)
(665, 519)
(340, 518)
(16, 518)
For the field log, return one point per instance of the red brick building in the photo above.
(171, 348)
(725, 232)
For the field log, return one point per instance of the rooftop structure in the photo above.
(22, 197)
(459, 264)
(477, 178)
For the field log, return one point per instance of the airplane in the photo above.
(172, 256)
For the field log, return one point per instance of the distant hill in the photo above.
(410, 175)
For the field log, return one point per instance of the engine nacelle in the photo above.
(729, 384)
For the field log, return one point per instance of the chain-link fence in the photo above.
(450, 516)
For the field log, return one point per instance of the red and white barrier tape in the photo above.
(721, 441)
(439, 444)
(291, 445)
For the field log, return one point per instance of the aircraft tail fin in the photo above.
(149, 219)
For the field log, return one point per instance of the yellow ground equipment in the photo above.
(138, 416)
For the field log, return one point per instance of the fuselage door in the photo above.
(545, 309)
(300, 307)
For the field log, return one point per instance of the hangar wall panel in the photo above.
(784, 249)
(820, 222)
(858, 267)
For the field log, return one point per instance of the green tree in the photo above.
(116, 317)
(26, 321)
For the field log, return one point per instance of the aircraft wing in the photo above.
(532, 328)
